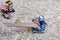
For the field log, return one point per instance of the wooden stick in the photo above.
(20, 24)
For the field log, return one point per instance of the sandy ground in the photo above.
(25, 11)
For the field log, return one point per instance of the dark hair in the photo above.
(8, 1)
(3, 11)
(32, 20)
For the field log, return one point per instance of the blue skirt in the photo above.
(41, 29)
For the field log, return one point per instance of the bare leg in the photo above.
(6, 16)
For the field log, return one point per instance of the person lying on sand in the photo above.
(7, 10)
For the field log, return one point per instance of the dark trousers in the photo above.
(9, 11)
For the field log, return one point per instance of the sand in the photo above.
(26, 10)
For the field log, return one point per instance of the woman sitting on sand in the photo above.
(42, 24)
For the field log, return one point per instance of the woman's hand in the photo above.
(36, 22)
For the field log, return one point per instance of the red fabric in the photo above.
(4, 6)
